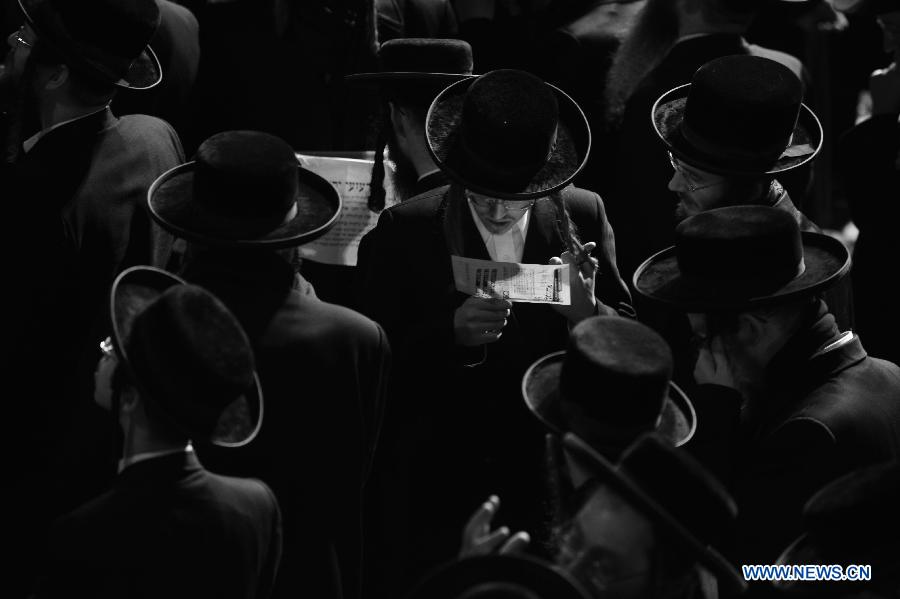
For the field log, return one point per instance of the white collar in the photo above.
(149, 455)
(29, 143)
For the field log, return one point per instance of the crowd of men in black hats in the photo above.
(720, 392)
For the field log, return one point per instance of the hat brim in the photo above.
(171, 204)
(144, 73)
(660, 279)
(668, 114)
(455, 578)
(566, 159)
(135, 289)
(540, 389)
(605, 472)
(386, 78)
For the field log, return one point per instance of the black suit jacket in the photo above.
(457, 433)
(323, 370)
(168, 528)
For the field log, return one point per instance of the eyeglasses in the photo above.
(689, 178)
(107, 348)
(18, 37)
(508, 205)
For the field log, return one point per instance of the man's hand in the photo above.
(884, 84)
(582, 276)
(480, 320)
(477, 538)
(713, 366)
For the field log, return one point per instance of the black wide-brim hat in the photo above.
(621, 481)
(852, 520)
(109, 39)
(134, 291)
(237, 192)
(478, 576)
(541, 390)
(668, 117)
(741, 258)
(427, 61)
(561, 159)
(661, 279)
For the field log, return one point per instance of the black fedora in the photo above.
(852, 520)
(507, 134)
(418, 61)
(497, 577)
(687, 504)
(740, 258)
(187, 354)
(106, 39)
(612, 384)
(244, 189)
(739, 115)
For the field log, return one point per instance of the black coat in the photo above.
(459, 433)
(868, 158)
(826, 413)
(323, 370)
(168, 528)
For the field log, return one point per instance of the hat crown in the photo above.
(617, 371)
(756, 248)
(426, 55)
(105, 35)
(681, 486)
(247, 176)
(742, 109)
(191, 355)
(509, 121)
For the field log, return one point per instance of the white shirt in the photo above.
(505, 247)
(29, 143)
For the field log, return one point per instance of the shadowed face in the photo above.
(498, 216)
(609, 547)
(697, 190)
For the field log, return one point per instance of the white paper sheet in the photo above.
(351, 177)
(532, 283)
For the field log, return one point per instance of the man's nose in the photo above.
(676, 183)
(497, 210)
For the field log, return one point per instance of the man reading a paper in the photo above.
(457, 427)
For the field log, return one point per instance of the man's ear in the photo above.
(129, 400)
(58, 77)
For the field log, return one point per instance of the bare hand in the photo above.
(480, 320)
(582, 278)
(713, 366)
(884, 84)
(477, 538)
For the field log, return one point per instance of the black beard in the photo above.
(403, 176)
